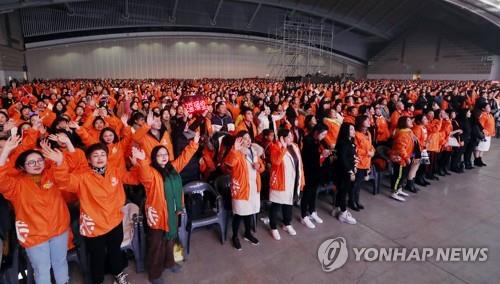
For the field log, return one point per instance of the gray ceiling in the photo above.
(370, 23)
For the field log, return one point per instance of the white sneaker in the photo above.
(397, 197)
(316, 218)
(290, 230)
(401, 192)
(335, 212)
(265, 220)
(306, 221)
(276, 235)
(346, 217)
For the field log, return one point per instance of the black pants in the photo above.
(105, 252)
(456, 158)
(468, 150)
(398, 175)
(308, 201)
(344, 187)
(286, 210)
(236, 224)
(444, 160)
(432, 168)
(356, 188)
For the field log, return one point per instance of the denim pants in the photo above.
(50, 253)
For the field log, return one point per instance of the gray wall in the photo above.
(11, 48)
(434, 51)
(174, 56)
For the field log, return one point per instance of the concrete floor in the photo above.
(457, 211)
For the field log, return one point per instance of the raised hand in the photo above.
(53, 154)
(138, 154)
(150, 118)
(238, 144)
(196, 137)
(11, 143)
(124, 119)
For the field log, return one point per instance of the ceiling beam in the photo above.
(390, 12)
(213, 21)
(254, 14)
(9, 7)
(172, 18)
(334, 17)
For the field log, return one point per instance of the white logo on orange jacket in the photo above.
(22, 231)
(235, 186)
(87, 225)
(114, 181)
(152, 216)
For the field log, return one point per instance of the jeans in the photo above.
(50, 253)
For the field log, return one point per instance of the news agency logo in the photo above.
(333, 254)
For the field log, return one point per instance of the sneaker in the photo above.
(401, 192)
(265, 220)
(121, 278)
(236, 243)
(397, 197)
(253, 240)
(290, 230)
(306, 221)
(316, 218)
(276, 234)
(346, 217)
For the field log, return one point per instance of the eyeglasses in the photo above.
(32, 163)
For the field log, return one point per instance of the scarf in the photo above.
(295, 160)
(100, 171)
(172, 186)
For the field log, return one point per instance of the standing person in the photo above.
(345, 170)
(42, 217)
(286, 182)
(402, 151)
(164, 202)
(311, 157)
(364, 152)
(487, 122)
(420, 131)
(464, 120)
(245, 168)
(99, 188)
(457, 150)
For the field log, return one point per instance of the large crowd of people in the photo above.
(67, 142)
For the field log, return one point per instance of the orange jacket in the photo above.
(156, 205)
(236, 162)
(446, 128)
(333, 131)
(488, 123)
(101, 197)
(394, 120)
(147, 141)
(383, 133)
(364, 145)
(277, 155)
(420, 132)
(403, 145)
(242, 126)
(433, 129)
(41, 212)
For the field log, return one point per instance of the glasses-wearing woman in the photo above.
(164, 202)
(42, 217)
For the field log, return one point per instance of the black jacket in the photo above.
(311, 159)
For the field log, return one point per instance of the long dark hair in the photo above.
(163, 171)
(344, 136)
